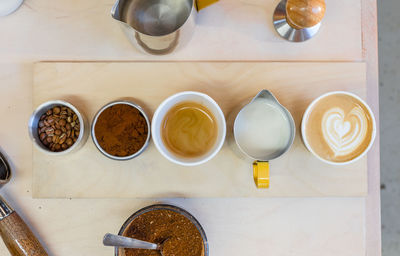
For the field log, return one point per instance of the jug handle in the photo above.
(261, 174)
(201, 4)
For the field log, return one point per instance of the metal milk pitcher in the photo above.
(158, 26)
(249, 147)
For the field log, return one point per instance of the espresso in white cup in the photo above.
(181, 131)
(338, 128)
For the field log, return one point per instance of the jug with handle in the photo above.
(158, 26)
(263, 130)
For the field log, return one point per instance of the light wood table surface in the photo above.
(83, 30)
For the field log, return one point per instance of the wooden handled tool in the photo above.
(17, 236)
(305, 13)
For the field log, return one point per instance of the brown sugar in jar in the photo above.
(181, 236)
(121, 130)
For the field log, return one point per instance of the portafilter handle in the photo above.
(17, 236)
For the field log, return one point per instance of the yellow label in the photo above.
(201, 4)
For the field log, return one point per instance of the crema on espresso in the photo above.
(189, 130)
(339, 128)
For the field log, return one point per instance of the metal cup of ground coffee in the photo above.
(120, 130)
(57, 127)
(176, 229)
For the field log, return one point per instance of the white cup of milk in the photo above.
(263, 130)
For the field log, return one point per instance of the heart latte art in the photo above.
(338, 127)
(344, 133)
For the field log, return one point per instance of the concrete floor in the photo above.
(389, 73)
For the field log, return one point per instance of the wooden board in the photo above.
(88, 174)
(227, 30)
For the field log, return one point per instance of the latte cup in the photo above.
(168, 104)
(338, 128)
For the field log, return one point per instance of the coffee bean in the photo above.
(42, 136)
(49, 130)
(63, 137)
(69, 141)
(50, 120)
(56, 110)
(58, 128)
(56, 139)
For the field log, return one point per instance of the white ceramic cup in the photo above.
(9, 6)
(163, 109)
(304, 124)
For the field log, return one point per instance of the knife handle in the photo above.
(18, 238)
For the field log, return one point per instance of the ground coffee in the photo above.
(121, 130)
(177, 234)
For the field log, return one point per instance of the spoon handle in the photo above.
(126, 242)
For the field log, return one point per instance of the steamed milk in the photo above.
(262, 129)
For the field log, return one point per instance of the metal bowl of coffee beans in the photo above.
(57, 127)
(121, 130)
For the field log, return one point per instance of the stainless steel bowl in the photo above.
(94, 134)
(120, 251)
(34, 122)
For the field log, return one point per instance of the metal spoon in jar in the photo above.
(127, 242)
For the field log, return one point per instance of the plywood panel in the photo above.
(88, 174)
(227, 30)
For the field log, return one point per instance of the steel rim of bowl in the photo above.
(174, 208)
(93, 134)
(46, 106)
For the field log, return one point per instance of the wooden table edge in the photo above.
(370, 56)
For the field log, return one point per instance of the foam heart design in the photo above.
(344, 133)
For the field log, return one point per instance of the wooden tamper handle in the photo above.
(17, 236)
(302, 14)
